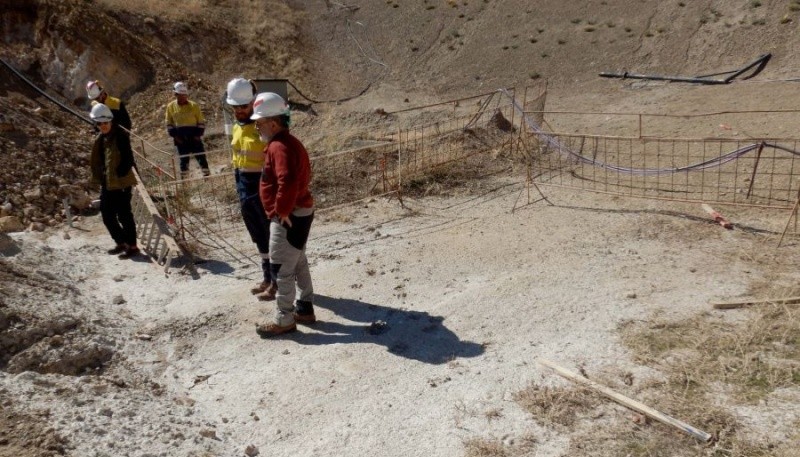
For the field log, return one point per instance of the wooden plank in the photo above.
(628, 402)
(743, 303)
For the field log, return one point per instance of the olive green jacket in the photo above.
(112, 161)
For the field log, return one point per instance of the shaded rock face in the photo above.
(73, 45)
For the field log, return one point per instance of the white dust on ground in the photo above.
(431, 318)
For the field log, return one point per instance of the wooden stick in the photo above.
(627, 402)
(742, 304)
(719, 218)
(791, 215)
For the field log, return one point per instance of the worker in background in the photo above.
(248, 161)
(186, 125)
(96, 93)
(288, 202)
(112, 169)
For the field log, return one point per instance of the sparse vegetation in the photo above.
(556, 405)
(753, 358)
(701, 358)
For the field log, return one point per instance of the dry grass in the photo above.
(556, 405)
(484, 447)
(710, 365)
(753, 357)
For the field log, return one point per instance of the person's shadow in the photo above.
(411, 334)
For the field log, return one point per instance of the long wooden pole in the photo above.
(743, 303)
(628, 402)
(791, 215)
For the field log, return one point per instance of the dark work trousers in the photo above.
(115, 207)
(255, 219)
(187, 148)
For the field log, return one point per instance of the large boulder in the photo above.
(8, 247)
(10, 224)
(78, 198)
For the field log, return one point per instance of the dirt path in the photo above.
(431, 318)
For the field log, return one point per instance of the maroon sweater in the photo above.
(286, 176)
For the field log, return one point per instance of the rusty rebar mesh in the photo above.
(759, 174)
(429, 148)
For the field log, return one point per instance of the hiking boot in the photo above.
(306, 319)
(120, 248)
(258, 288)
(132, 251)
(273, 329)
(269, 293)
(304, 312)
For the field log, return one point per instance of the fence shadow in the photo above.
(411, 334)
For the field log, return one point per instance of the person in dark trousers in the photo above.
(96, 93)
(112, 169)
(248, 161)
(186, 125)
(287, 200)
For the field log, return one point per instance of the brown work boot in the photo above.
(269, 293)
(304, 318)
(273, 329)
(258, 288)
(304, 312)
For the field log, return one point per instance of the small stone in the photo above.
(118, 300)
(66, 236)
(144, 337)
(630, 295)
(105, 412)
(118, 278)
(251, 451)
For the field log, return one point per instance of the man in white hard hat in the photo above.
(248, 161)
(186, 125)
(289, 204)
(112, 169)
(96, 93)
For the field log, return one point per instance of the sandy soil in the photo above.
(431, 318)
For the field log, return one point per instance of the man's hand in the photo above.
(286, 221)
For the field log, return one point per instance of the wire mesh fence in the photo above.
(745, 172)
(505, 131)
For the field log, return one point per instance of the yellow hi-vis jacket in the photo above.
(184, 120)
(248, 149)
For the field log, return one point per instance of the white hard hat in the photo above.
(101, 113)
(240, 92)
(180, 88)
(93, 90)
(269, 104)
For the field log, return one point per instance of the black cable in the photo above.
(48, 96)
(329, 101)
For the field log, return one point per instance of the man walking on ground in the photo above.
(96, 93)
(248, 161)
(112, 169)
(288, 202)
(186, 125)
